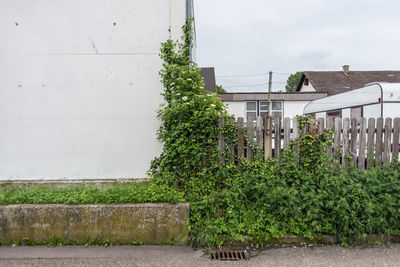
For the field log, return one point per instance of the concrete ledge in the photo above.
(147, 223)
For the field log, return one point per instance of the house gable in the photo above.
(335, 82)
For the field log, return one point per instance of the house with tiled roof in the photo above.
(335, 82)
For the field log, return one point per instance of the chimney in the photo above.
(346, 69)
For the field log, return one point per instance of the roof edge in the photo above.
(299, 85)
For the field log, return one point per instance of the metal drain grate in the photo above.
(229, 255)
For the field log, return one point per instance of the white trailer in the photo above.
(375, 100)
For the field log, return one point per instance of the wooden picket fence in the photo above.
(368, 142)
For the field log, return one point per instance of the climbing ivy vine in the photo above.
(189, 116)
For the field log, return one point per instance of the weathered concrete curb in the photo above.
(332, 240)
(148, 223)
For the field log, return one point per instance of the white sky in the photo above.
(256, 36)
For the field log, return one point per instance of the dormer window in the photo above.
(305, 81)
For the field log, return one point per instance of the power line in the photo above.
(251, 75)
(242, 75)
(282, 73)
(251, 85)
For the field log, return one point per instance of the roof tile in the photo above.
(335, 82)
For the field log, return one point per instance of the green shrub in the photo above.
(307, 194)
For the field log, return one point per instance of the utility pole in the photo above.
(268, 124)
(269, 93)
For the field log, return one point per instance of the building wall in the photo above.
(290, 108)
(307, 88)
(237, 108)
(346, 113)
(80, 86)
(293, 108)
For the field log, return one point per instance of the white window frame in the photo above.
(247, 111)
(259, 107)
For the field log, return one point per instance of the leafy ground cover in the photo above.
(118, 194)
(268, 201)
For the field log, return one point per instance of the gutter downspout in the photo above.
(170, 19)
(189, 15)
(188, 9)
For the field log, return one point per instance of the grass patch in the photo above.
(147, 192)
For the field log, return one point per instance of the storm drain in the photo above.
(229, 255)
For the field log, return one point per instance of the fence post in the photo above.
(232, 148)
(371, 142)
(259, 136)
(240, 142)
(329, 123)
(278, 138)
(337, 137)
(388, 140)
(221, 145)
(267, 137)
(353, 140)
(250, 139)
(286, 133)
(329, 126)
(295, 136)
(379, 143)
(361, 154)
(321, 125)
(396, 130)
(346, 128)
(295, 128)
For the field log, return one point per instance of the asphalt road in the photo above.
(185, 256)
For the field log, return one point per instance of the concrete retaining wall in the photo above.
(145, 222)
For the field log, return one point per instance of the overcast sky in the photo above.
(241, 37)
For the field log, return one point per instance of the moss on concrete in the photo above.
(146, 223)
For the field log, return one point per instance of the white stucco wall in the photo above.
(307, 88)
(346, 113)
(237, 108)
(80, 87)
(293, 108)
